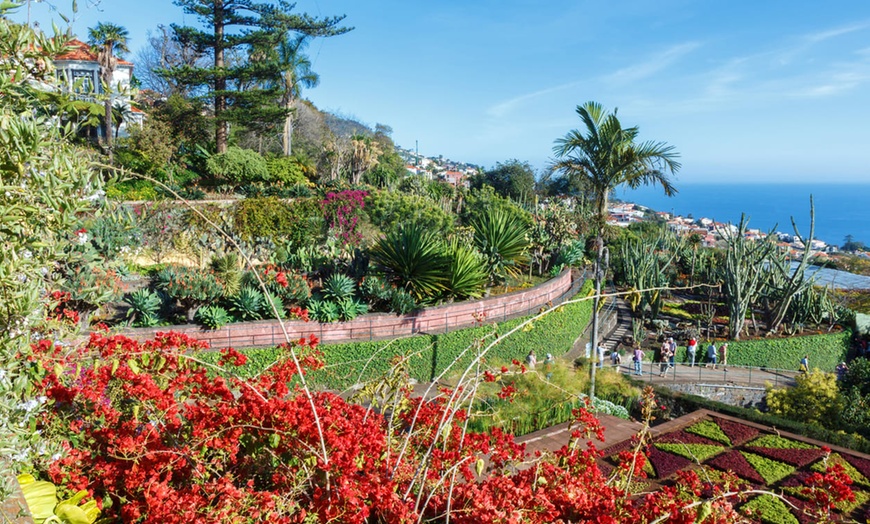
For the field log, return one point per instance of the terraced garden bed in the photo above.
(763, 458)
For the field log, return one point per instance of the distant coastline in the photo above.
(841, 208)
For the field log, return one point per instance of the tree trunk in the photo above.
(220, 81)
(288, 120)
(107, 125)
(599, 243)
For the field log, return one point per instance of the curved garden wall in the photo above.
(375, 326)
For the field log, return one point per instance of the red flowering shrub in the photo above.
(61, 308)
(167, 439)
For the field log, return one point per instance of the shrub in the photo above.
(710, 430)
(466, 274)
(693, 452)
(773, 471)
(288, 170)
(238, 166)
(769, 509)
(815, 399)
(388, 209)
(132, 190)
(501, 239)
(323, 310)
(349, 308)
(268, 217)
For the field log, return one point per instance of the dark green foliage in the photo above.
(384, 297)
(338, 287)
(213, 317)
(511, 179)
(858, 377)
(239, 166)
(144, 307)
(248, 304)
(248, 92)
(389, 209)
(412, 258)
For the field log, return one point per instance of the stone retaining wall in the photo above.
(741, 396)
(376, 326)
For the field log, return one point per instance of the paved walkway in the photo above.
(730, 375)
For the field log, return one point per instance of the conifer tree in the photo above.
(238, 83)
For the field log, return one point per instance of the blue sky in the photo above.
(746, 91)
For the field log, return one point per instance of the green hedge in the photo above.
(348, 364)
(825, 351)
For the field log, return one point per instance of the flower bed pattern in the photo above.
(767, 461)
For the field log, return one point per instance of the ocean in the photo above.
(841, 209)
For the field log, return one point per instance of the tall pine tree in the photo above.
(242, 82)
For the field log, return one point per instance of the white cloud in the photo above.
(651, 65)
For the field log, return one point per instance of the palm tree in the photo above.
(602, 157)
(297, 73)
(108, 38)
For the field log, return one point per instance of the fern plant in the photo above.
(144, 308)
(213, 317)
(248, 304)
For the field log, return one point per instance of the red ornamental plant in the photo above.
(167, 439)
(342, 211)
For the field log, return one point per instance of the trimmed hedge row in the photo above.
(352, 363)
(825, 351)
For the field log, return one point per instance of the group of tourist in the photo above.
(715, 356)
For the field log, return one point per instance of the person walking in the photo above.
(723, 355)
(531, 359)
(672, 350)
(711, 355)
(638, 361)
(666, 356)
(805, 365)
(691, 351)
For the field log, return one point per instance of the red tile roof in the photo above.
(82, 51)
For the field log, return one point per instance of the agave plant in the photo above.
(271, 300)
(466, 275)
(338, 287)
(213, 317)
(144, 307)
(413, 259)
(323, 310)
(248, 304)
(349, 308)
(501, 238)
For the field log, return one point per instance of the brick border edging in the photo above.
(377, 326)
